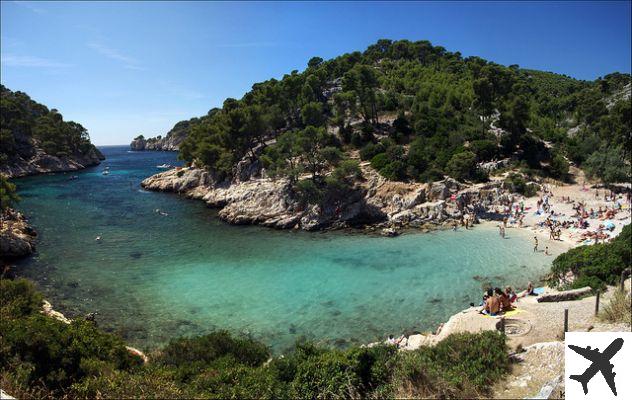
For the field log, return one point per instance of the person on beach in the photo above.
(505, 303)
(528, 291)
(492, 304)
(511, 295)
(535, 246)
(546, 251)
(395, 342)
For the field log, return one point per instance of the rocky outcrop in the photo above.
(566, 295)
(41, 162)
(374, 201)
(159, 143)
(170, 142)
(17, 238)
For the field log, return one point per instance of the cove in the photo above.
(154, 277)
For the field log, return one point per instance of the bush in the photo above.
(516, 183)
(56, 354)
(18, 298)
(597, 265)
(619, 309)
(462, 365)
(371, 150)
(42, 357)
(203, 350)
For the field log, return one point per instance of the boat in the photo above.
(163, 166)
(106, 172)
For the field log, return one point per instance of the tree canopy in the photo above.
(23, 120)
(419, 112)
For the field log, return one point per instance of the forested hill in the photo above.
(37, 140)
(418, 112)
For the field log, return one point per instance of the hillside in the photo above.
(410, 113)
(170, 142)
(38, 140)
(418, 112)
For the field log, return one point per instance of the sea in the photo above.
(167, 266)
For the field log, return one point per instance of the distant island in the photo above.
(37, 140)
(170, 142)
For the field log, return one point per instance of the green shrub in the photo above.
(149, 382)
(597, 265)
(461, 365)
(8, 195)
(516, 183)
(18, 298)
(209, 348)
(58, 354)
(43, 357)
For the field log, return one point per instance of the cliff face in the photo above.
(37, 140)
(17, 238)
(170, 142)
(34, 160)
(375, 202)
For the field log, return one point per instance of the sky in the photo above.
(126, 68)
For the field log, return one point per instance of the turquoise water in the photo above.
(154, 277)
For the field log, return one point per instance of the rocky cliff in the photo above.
(158, 143)
(36, 139)
(34, 160)
(17, 238)
(375, 202)
(170, 142)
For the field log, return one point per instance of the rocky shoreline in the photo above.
(17, 238)
(374, 203)
(155, 144)
(41, 163)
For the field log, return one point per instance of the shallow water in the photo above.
(154, 277)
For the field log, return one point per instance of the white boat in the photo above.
(163, 166)
(106, 172)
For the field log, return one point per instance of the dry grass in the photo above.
(619, 309)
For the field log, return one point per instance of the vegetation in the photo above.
(619, 309)
(40, 356)
(417, 112)
(8, 195)
(597, 265)
(22, 120)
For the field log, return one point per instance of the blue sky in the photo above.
(126, 68)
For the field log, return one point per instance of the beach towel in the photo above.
(505, 314)
(538, 291)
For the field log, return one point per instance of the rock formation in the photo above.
(36, 161)
(374, 201)
(17, 238)
(170, 142)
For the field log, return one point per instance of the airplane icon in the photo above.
(600, 363)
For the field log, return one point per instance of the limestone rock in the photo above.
(17, 238)
(39, 162)
(565, 295)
